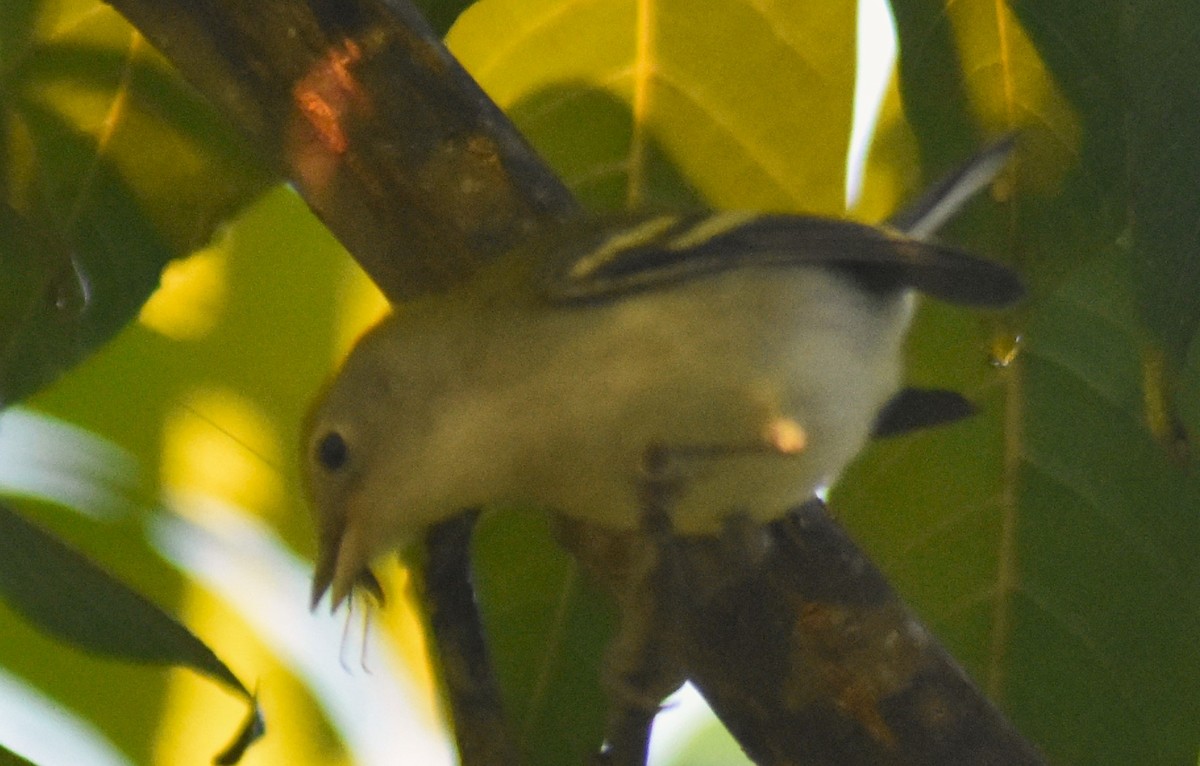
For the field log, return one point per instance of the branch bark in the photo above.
(482, 731)
(360, 106)
(809, 656)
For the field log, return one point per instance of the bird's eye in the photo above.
(332, 451)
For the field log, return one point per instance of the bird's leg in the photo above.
(639, 669)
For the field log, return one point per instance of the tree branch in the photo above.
(360, 106)
(481, 730)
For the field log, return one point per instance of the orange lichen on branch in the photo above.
(329, 93)
(858, 699)
(326, 99)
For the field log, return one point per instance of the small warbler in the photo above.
(756, 351)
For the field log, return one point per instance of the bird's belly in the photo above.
(753, 401)
(698, 492)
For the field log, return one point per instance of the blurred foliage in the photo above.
(72, 599)
(8, 758)
(441, 14)
(1050, 542)
(109, 167)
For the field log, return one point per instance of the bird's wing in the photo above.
(624, 255)
(608, 257)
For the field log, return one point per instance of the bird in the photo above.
(752, 354)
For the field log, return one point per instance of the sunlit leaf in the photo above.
(667, 103)
(68, 596)
(710, 746)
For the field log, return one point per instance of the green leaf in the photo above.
(115, 167)
(1109, 581)
(548, 633)
(71, 598)
(39, 305)
(92, 300)
(1130, 66)
(441, 14)
(9, 758)
(1051, 540)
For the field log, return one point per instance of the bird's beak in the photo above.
(327, 558)
(341, 567)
